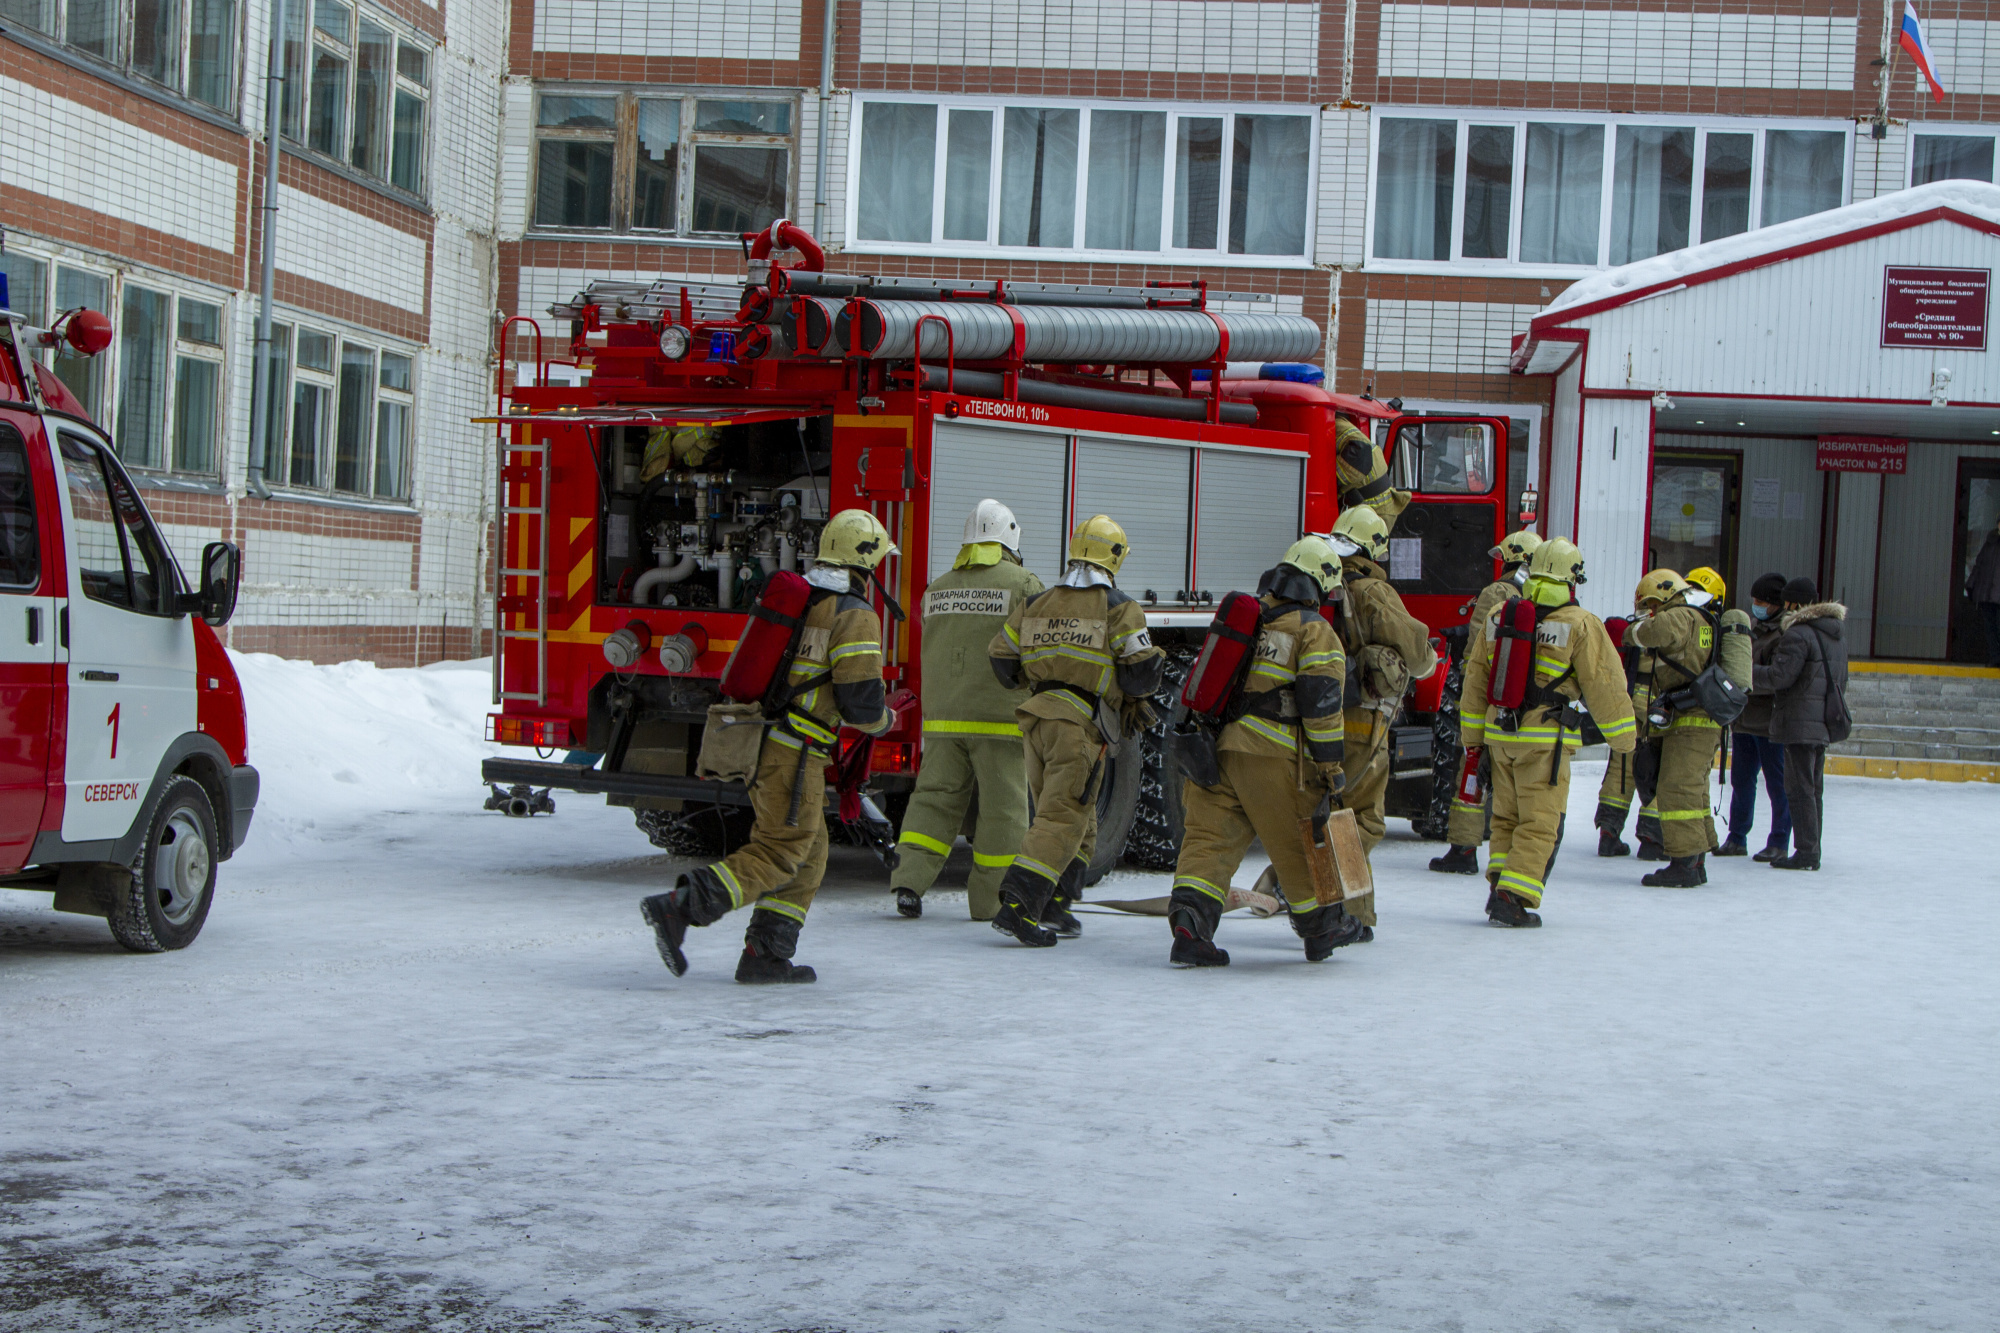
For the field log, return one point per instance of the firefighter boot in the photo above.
(1069, 888)
(1457, 861)
(1022, 894)
(1682, 872)
(1511, 910)
(768, 946)
(1610, 844)
(1327, 928)
(1650, 850)
(1193, 915)
(698, 898)
(909, 903)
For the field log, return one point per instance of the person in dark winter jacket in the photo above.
(1752, 752)
(1807, 673)
(1982, 585)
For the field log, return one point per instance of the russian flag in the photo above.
(1912, 40)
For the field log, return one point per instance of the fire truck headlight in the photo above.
(674, 342)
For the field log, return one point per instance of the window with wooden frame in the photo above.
(662, 162)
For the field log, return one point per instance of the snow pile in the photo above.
(1973, 197)
(338, 747)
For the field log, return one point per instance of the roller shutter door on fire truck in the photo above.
(1251, 508)
(1025, 470)
(1145, 487)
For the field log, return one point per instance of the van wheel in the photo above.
(173, 883)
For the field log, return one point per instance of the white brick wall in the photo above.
(1463, 337)
(1968, 58)
(1343, 186)
(1167, 36)
(81, 156)
(1700, 50)
(1880, 166)
(341, 248)
(726, 29)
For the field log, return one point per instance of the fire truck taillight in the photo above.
(673, 342)
(895, 757)
(544, 733)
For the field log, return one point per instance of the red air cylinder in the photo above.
(1225, 656)
(769, 634)
(1513, 654)
(1616, 627)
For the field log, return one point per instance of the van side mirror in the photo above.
(221, 578)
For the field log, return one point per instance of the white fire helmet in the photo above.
(991, 521)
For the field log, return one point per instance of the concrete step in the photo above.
(1979, 713)
(1910, 749)
(1872, 685)
(1925, 735)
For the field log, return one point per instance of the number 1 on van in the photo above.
(112, 722)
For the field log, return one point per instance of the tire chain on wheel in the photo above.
(707, 832)
(1155, 840)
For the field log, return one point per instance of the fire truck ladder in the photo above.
(531, 596)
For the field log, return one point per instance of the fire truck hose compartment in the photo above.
(986, 384)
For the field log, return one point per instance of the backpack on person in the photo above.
(1716, 690)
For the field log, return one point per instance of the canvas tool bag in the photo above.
(731, 742)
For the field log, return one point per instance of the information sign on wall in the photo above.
(1862, 453)
(1934, 307)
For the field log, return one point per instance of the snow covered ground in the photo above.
(424, 1071)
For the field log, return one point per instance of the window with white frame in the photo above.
(969, 175)
(188, 46)
(1951, 153)
(657, 161)
(339, 414)
(357, 90)
(160, 384)
(1558, 191)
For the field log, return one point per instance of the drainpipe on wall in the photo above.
(832, 10)
(260, 379)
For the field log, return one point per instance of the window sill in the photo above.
(354, 502)
(1481, 268)
(179, 484)
(1033, 255)
(294, 149)
(152, 92)
(609, 237)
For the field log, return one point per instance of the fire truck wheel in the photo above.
(1117, 805)
(1159, 821)
(174, 880)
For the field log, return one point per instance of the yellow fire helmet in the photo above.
(1516, 547)
(1317, 560)
(1360, 531)
(1658, 585)
(1709, 582)
(1557, 559)
(855, 538)
(1099, 541)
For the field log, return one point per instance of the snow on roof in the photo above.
(1972, 197)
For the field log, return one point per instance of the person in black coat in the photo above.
(1806, 674)
(1752, 753)
(1982, 585)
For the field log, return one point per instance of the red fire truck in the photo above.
(123, 769)
(714, 428)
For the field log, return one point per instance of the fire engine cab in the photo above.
(123, 773)
(705, 432)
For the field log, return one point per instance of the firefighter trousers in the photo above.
(1065, 764)
(1530, 794)
(1685, 754)
(955, 769)
(1466, 825)
(1614, 794)
(1259, 797)
(1366, 764)
(781, 867)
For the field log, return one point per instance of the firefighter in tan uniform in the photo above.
(836, 680)
(1363, 473)
(1387, 648)
(1279, 754)
(1529, 745)
(1082, 649)
(1467, 823)
(972, 744)
(1677, 638)
(1622, 771)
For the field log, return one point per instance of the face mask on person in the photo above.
(1759, 610)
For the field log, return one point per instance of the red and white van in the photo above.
(123, 778)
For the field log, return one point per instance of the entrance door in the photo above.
(1976, 515)
(1693, 520)
(27, 650)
